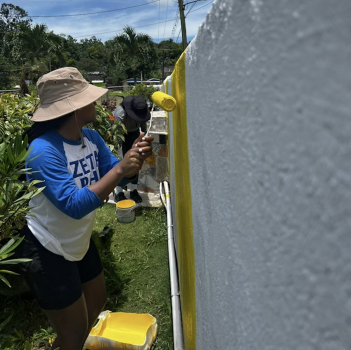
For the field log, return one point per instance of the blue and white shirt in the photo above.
(63, 215)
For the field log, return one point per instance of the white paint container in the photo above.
(125, 211)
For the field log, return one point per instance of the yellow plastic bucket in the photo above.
(124, 331)
(125, 211)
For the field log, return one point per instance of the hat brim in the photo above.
(140, 117)
(68, 104)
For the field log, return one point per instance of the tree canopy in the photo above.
(28, 51)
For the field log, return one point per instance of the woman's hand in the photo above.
(134, 158)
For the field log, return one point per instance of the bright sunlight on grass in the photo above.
(135, 263)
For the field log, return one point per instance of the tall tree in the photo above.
(11, 16)
(36, 45)
(135, 51)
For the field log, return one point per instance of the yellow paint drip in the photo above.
(164, 101)
(125, 204)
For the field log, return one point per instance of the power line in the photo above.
(202, 6)
(94, 13)
(190, 2)
(178, 35)
(159, 17)
(121, 30)
(193, 4)
(175, 24)
(164, 29)
(191, 8)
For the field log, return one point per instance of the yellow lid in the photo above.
(125, 204)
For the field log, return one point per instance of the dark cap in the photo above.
(137, 108)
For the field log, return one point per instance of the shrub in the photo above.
(111, 131)
(15, 195)
(14, 115)
(110, 104)
(143, 90)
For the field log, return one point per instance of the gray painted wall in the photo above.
(269, 103)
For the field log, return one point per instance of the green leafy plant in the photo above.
(15, 193)
(143, 90)
(14, 115)
(111, 131)
(7, 251)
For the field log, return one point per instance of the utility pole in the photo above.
(182, 23)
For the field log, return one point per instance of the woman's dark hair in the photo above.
(40, 128)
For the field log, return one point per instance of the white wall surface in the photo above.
(268, 88)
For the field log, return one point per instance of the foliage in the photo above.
(10, 17)
(110, 104)
(14, 114)
(15, 192)
(6, 252)
(143, 90)
(5, 73)
(31, 50)
(37, 41)
(135, 52)
(169, 52)
(112, 132)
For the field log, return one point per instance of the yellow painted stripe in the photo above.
(181, 176)
(168, 146)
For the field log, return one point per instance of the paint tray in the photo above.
(120, 330)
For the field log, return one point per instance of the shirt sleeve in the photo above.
(118, 113)
(50, 167)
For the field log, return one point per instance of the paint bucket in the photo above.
(125, 210)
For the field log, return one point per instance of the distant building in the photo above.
(168, 70)
(150, 81)
(153, 81)
(96, 77)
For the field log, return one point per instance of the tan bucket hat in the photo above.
(63, 91)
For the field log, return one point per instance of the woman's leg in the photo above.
(71, 293)
(70, 325)
(74, 323)
(95, 299)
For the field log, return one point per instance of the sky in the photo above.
(158, 18)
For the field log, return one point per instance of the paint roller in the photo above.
(164, 101)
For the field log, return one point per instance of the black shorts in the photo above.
(55, 282)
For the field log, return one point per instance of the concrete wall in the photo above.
(268, 132)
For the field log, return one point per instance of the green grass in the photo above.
(135, 263)
(99, 84)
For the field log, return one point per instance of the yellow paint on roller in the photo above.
(164, 101)
(181, 176)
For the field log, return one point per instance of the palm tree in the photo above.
(36, 43)
(137, 49)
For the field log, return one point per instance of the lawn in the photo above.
(135, 263)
